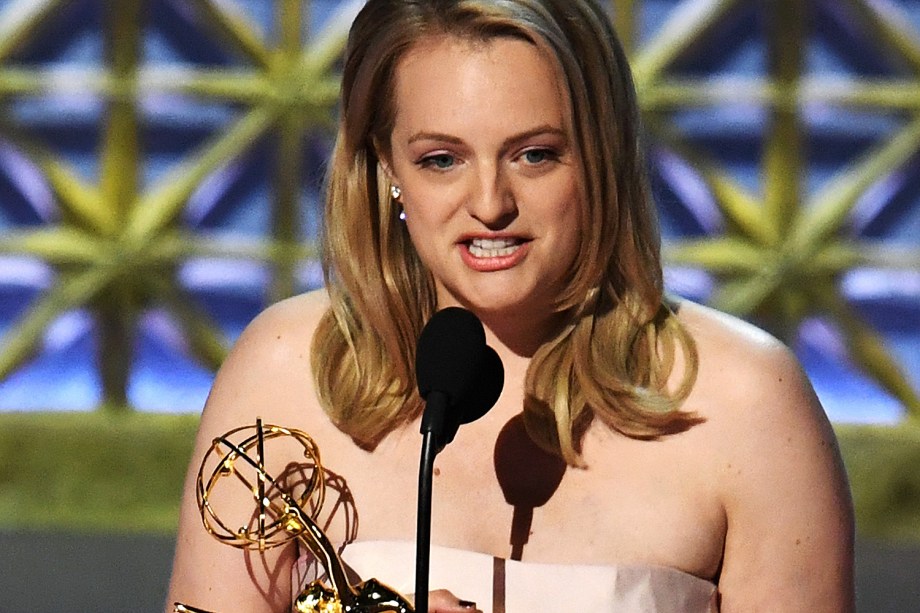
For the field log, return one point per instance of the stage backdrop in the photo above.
(161, 164)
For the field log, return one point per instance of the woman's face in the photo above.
(488, 171)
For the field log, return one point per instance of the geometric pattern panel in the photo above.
(788, 165)
(170, 151)
(161, 163)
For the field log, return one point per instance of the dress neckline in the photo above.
(515, 586)
(402, 545)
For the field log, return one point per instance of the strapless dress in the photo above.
(497, 585)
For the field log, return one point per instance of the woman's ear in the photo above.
(385, 169)
(390, 183)
(383, 162)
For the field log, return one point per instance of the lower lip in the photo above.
(503, 262)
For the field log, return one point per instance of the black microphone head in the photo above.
(449, 353)
(486, 388)
(480, 396)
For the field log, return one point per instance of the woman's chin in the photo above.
(499, 299)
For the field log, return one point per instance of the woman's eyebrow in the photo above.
(543, 130)
(435, 136)
(507, 144)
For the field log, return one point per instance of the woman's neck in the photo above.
(521, 334)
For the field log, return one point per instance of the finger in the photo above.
(443, 601)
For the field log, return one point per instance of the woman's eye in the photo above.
(442, 161)
(538, 156)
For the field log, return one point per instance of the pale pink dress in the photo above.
(506, 586)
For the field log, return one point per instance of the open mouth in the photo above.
(493, 247)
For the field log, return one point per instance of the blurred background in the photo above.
(161, 167)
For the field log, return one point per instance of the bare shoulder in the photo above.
(752, 391)
(744, 372)
(723, 338)
(284, 326)
(789, 540)
(268, 369)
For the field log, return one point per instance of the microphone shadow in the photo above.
(528, 476)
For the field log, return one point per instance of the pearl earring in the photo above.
(395, 192)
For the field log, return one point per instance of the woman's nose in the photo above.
(493, 203)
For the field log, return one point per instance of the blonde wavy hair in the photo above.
(614, 359)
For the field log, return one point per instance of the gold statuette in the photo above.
(283, 514)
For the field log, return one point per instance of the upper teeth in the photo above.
(493, 243)
(493, 247)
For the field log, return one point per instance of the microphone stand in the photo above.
(432, 430)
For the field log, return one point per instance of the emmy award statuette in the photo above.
(282, 516)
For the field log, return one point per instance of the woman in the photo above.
(666, 457)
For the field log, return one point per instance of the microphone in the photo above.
(479, 397)
(447, 360)
(458, 375)
(460, 378)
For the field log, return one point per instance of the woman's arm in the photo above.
(789, 541)
(266, 375)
